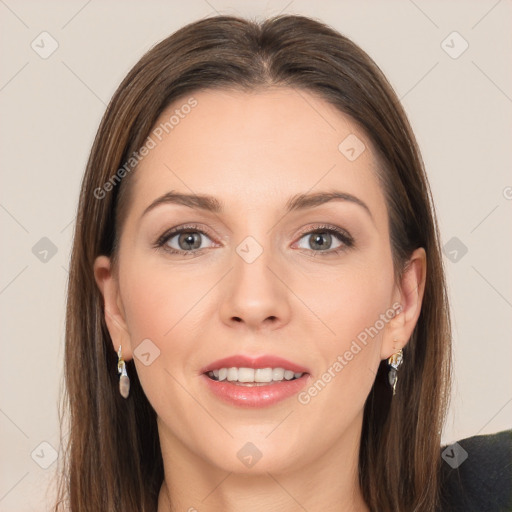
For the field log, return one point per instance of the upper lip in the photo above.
(263, 361)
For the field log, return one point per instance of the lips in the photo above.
(255, 394)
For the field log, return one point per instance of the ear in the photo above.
(409, 294)
(113, 306)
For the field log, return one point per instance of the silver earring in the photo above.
(124, 380)
(394, 362)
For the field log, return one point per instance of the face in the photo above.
(312, 284)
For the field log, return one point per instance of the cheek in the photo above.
(155, 302)
(353, 299)
(158, 299)
(161, 305)
(356, 308)
(167, 307)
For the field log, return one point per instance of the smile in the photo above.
(246, 381)
(253, 376)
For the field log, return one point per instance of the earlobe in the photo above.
(113, 310)
(410, 296)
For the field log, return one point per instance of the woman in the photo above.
(257, 314)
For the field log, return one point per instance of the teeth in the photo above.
(245, 375)
(263, 375)
(253, 375)
(232, 374)
(277, 374)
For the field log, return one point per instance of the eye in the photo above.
(321, 239)
(183, 240)
(188, 240)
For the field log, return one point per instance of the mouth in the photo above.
(254, 381)
(253, 376)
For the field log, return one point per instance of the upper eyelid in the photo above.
(327, 227)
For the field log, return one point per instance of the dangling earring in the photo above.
(394, 362)
(124, 380)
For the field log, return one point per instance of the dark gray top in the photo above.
(476, 474)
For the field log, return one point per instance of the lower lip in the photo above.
(255, 396)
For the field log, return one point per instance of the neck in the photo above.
(329, 483)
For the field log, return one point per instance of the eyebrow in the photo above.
(297, 202)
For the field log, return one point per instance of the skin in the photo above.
(253, 151)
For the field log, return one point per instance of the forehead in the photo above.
(252, 148)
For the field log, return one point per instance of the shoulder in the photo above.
(476, 474)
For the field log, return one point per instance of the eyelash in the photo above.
(340, 234)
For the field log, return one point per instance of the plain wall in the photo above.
(460, 109)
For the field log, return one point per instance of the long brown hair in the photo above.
(112, 457)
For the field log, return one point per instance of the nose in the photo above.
(255, 295)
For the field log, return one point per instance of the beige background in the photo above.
(460, 109)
